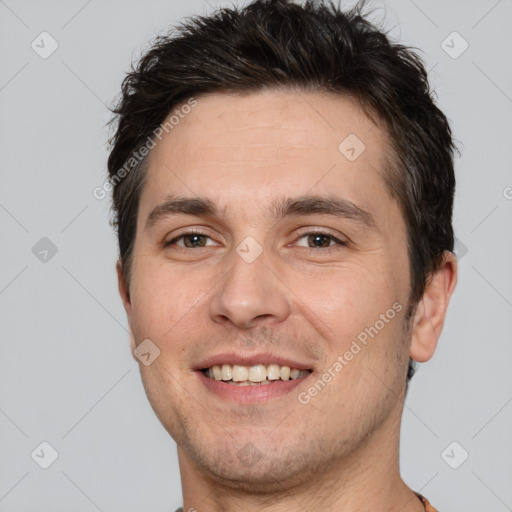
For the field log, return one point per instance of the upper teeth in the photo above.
(256, 373)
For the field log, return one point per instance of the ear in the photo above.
(124, 292)
(431, 310)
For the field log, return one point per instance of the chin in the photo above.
(249, 465)
(263, 475)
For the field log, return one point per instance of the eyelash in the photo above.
(327, 249)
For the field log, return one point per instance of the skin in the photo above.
(339, 451)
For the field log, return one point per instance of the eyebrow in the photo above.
(279, 209)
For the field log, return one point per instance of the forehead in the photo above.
(244, 148)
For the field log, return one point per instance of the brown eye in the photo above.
(194, 240)
(319, 240)
(190, 240)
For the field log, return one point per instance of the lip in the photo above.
(250, 394)
(251, 360)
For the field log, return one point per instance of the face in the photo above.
(267, 239)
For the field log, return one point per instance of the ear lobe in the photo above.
(431, 311)
(123, 289)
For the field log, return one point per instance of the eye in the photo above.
(320, 240)
(190, 240)
(314, 240)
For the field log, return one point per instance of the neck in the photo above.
(366, 480)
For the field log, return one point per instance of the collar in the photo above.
(426, 505)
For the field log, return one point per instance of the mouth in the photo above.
(257, 381)
(254, 375)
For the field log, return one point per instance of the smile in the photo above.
(255, 375)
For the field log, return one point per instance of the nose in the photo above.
(249, 294)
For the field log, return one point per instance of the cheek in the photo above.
(165, 299)
(358, 311)
(347, 297)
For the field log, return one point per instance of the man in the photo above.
(282, 191)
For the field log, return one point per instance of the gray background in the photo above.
(67, 375)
